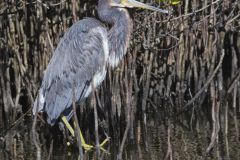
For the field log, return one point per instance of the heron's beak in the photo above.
(134, 3)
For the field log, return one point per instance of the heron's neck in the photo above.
(120, 31)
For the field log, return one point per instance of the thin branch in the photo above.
(186, 107)
(34, 133)
(74, 10)
(76, 126)
(50, 4)
(192, 13)
(96, 123)
(50, 150)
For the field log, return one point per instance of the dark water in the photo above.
(158, 140)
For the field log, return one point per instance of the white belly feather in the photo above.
(100, 75)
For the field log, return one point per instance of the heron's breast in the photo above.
(96, 81)
(105, 45)
(102, 59)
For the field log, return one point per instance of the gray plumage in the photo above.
(80, 57)
(77, 59)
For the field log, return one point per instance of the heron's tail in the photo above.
(38, 103)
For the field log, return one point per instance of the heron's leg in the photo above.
(71, 130)
(85, 146)
(100, 145)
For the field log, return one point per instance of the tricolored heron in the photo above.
(82, 56)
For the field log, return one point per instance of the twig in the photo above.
(50, 42)
(205, 85)
(50, 4)
(233, 83)
(76, 126)
(34, 133)
(74, 10)
(169, 150)
(119, 156)
(129, 111)
(192, 13)
(50, 151)
(15, 123)
(96, 122)
(215, 118)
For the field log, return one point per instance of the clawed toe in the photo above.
(86, 147)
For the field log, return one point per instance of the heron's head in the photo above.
(134, 3)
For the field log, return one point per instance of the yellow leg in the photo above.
(85, 146)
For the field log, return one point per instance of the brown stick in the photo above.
(76, 126)
(35, 135)
(96, 123)
(129, 110)
(169, 149)
(74, 10)
(186, 107)
(50, 151)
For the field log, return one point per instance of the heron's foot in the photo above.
(103, 143)
(86, 146)
(89, 147)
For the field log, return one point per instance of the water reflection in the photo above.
(158, 140)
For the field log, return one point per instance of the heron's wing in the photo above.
(80, 56)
